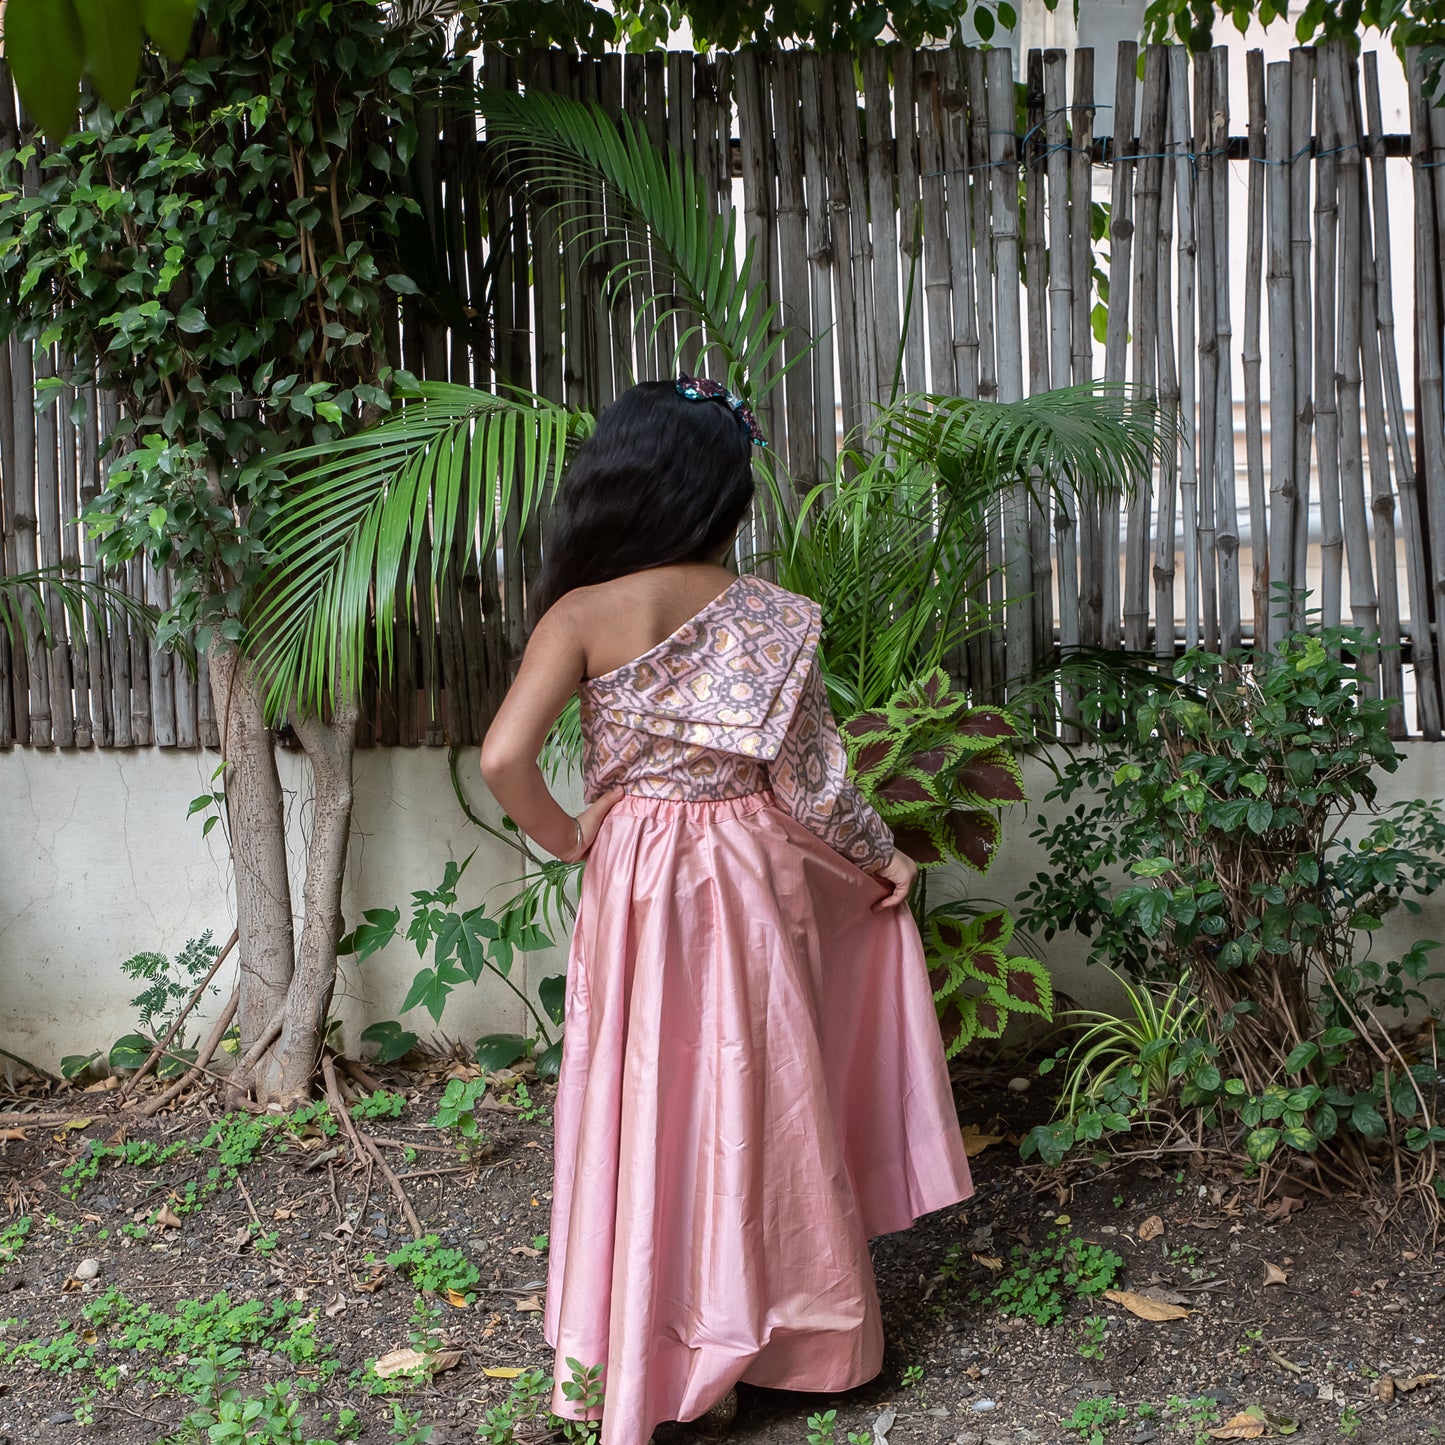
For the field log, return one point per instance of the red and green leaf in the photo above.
(987, 722)
(919, 844)
(971, 836)
(1028, 988)
(986, 963)
(990, 778)
(874, 757)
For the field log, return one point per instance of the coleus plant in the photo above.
(938, 770)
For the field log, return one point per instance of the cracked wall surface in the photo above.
(99, 861)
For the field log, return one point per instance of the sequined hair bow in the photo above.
(700, 388)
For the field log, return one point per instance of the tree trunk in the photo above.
(258, 844)
(286, 1072)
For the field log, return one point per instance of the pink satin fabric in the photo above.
(753, 1084)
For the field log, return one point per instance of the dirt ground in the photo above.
(1310, 1308)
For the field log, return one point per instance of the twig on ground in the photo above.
(365, 1148)
(432, 1173)
(246, 1195)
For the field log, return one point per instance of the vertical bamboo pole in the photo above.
(1212, 181)
(1004, 235)
(1081, 243)
(1146, 324)
(1302, 76)
(963, 103)
(860, 242)
(961, 233)
(1253, 405)
(68, 683)
(1430, 411)
(88, 467)
(1165, 610)
(1181, 142)
(981, 162)
(1326, 411)
(792, 223)
(1341, 101)
(1282, 488)
(822, 262)
(1062, 313)
(937, 240)
(1105, 600)
(1036, 268)
(910, 221)
(838, 112)
(883, 271)
(117, 641)
(1227, 506)
(1382, 495)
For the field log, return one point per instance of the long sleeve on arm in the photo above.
(809, 777)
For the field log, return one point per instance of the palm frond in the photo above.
(1096, 439)
(555, 146)
(890, 570)
(24, 611)
(352, 528)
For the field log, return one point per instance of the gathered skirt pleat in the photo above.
(752, 1086)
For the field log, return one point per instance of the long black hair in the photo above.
(662, 480)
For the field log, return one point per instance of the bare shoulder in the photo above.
(616, 621)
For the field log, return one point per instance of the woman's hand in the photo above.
(589, 821)
(898, 874)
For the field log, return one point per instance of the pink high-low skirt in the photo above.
(753, 1085)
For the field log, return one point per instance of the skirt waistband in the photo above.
(702, 810)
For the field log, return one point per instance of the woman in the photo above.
(753, 1082)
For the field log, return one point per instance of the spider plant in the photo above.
(1139, 1044)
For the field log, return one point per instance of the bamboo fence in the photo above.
(931, 227)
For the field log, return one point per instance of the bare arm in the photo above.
(552, 666)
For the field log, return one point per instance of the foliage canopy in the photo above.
(220, 254)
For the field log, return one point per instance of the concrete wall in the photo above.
(98, 861)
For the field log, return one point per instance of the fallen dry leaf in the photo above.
(975, 1141)
(527, 1250)
(283, 1213)
(528, 1303)
(1144, 1307)
(372, 1282)
(1162, 1296)
(444, 1360)
(337, 1306)
(988, 1261)
(1152, 1228)
(166, 1217)
(1278, 1210)
(400, 1362)
(1273, 1274)
(501, 1372)
(1243, 1426)
(1254, 1423)
(9, 1135)
(1414, 1382)
(455, 1298)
